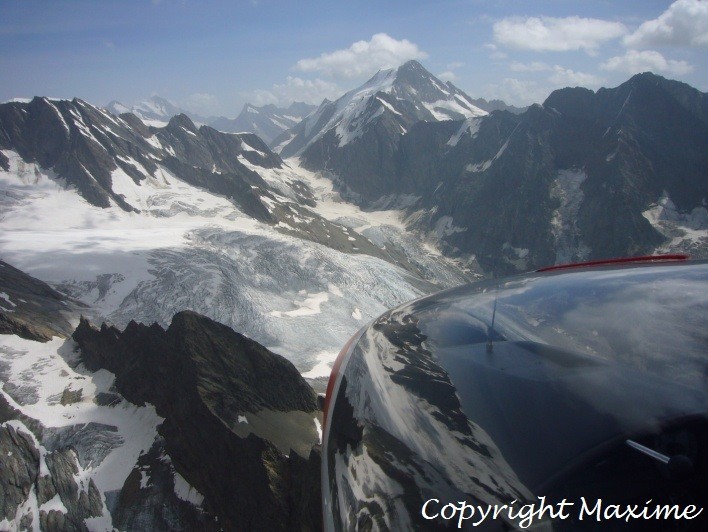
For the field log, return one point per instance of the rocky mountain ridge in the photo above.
(118, 161)
(93, 151)
(205, 380)
(195, 427)
(139, 223)
(586, 175)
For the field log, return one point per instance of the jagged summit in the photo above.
(116, 161)
(182, 120)
(399, 96)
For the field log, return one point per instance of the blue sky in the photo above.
(213, 56)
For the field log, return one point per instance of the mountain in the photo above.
(155, 111)
(103, 157)
(387, 105)
(30, 308)
(497, 105)
(399, 188)
(267, 122)
(195, 426)
(232, 413)
(586, 175)
(182, 424)
(140, 223)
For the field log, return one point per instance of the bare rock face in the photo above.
(149, 499)
(22, 481)
(20, 465)
(208, 382)
(30, 308)
(81, 502)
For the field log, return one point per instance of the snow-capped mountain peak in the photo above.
(159, 107)
(443, 100)
(406, 95)
(154, 111)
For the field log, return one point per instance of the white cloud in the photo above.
(569, 78)
(684, 23)
(495, 52)
(363, 57)
(556, 34)
(535, 66)
(518, 92)
(296, 90)
(635, 61)
(201, 103)
(448, 75)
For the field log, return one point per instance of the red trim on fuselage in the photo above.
(333, 377)
(623, 260)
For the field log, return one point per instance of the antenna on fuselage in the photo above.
(490, 330)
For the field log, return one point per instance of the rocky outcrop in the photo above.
(149, 499)
(208, 382)
(30, 308)
(20, 468)
(30, 477)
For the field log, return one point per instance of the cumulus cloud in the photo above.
(543, 34)
(635, 61)
(297, 90)
(684, 23)
(569, 78)
(363, 57)
(448, 75)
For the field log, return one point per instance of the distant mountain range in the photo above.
(154, 111)
(267, 121)
(585, 175)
